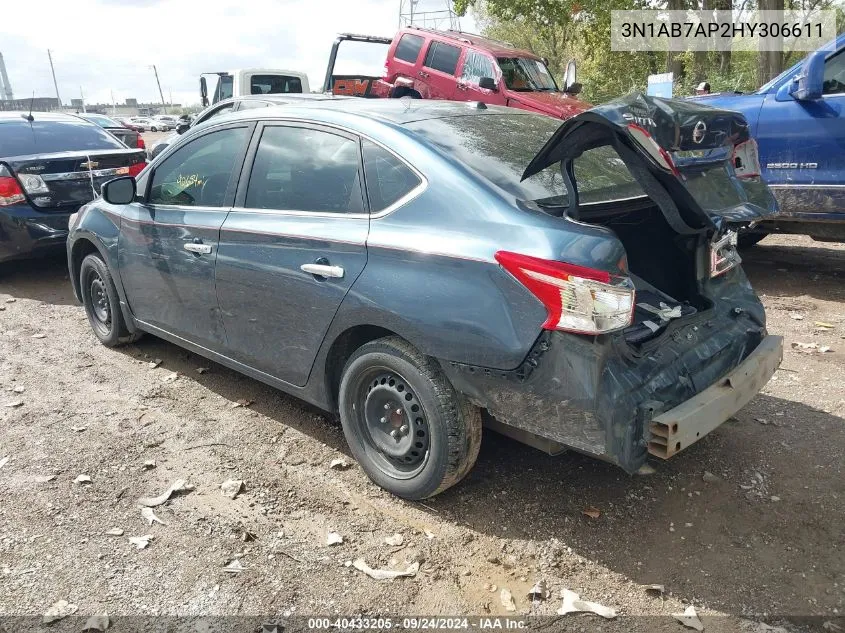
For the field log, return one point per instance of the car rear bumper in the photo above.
(599, 396)
(685, 424)
(28, 232)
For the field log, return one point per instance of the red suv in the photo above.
(428, 64)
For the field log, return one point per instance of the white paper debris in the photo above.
(333, 538)
(385, 574)
(177, 486)
(149, 464)
(395, 541)
(115, 532)
(141, 541)
(235, 567)
(689, 618)
(82, 479)
(149, 516)
(231, 487)
(506, 599)
(4, 461)
(539, 591)
(573, 604)
(339, 464)
(59, 610)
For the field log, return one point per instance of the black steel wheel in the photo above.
(102, 305)
(391, 422)
(405, 424)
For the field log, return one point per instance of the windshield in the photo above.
(102, 121)
(498, 147)
(524, 75)
(47, 137)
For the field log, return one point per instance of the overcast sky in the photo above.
(109, 46)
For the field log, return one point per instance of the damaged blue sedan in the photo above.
(414, 264)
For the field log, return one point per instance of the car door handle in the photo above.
(323, 270)
(462, 87)
(199, 249)
(424, 75)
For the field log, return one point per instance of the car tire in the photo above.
(405, 424)
(153, 129)
(749, 239)
(102, 304)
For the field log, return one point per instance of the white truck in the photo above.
(252, 81)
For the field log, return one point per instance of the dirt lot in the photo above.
(760, 539)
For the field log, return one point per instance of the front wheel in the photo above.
(154, 129)
(102, 305)
(407, 427)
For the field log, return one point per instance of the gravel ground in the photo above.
(757, 539)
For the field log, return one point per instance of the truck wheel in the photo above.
(102, 305)
(749, 239)
(407, 427)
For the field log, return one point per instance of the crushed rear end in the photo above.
(693, 348)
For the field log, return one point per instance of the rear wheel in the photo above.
(102, 305)
(412, 433)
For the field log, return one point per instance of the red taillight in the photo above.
(10, 190)
(140, 143)
(647, 142)
(137, 168)
(578, 299)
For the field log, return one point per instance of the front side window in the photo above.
(442, 57)
(274, 84)
(225, 86)
(303, 169)
(408, 48)
(197, 174)
(834, 75)
(522, 74)
(388, 178)
(476, 66)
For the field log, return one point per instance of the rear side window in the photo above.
(274, 84)
(388, 178)
(302, 169)
(197, 174)
(408, 48)
(442, 57)
(19, 138)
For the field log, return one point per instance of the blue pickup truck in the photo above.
(798, 123)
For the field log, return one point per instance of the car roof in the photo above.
(397, 111)
(20, 115)
(497, 47)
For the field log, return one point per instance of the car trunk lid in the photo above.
(70, 179)
(702, 157)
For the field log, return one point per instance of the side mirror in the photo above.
(570, 80)
(488, 83)
(203, 92)
(808, 85)
(119, 191)
(182, 128)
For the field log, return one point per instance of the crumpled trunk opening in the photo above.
(663, 267)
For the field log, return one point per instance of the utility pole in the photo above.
(160, 93)
(55, 83)
(82, 96)
(113, 106)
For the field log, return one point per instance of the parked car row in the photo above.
(414, 264)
